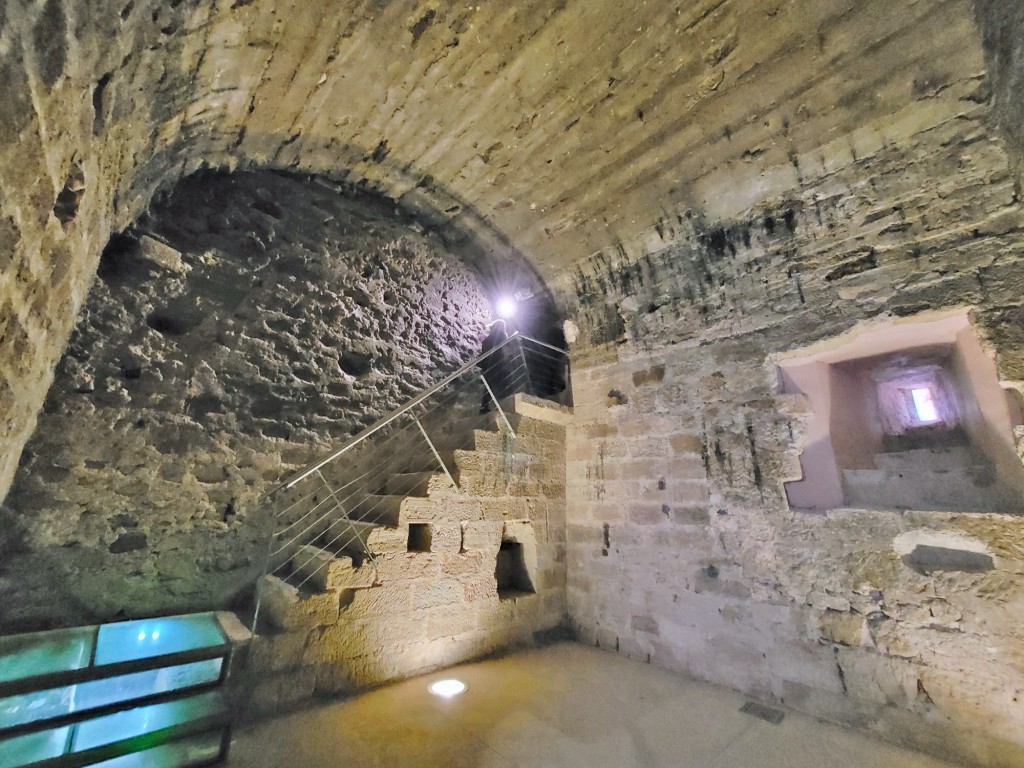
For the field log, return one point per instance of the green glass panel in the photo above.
(135, 640)
(42, 705)
(141, 720)
(194, 751)
(41, 653)
(33, 747)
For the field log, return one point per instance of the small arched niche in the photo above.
(905, 415)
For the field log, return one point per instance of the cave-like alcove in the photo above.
(245, 324)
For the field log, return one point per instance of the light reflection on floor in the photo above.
(568, 705)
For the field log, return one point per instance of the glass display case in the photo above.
(135, 693)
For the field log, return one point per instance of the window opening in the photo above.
(906, 415)
(924, 405)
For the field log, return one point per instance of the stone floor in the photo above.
(566, 705)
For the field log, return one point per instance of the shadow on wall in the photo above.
(1002, 25)
(264, 318)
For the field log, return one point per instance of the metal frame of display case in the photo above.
(215, 719)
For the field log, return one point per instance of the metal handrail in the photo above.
(401, 410)
(332, 502)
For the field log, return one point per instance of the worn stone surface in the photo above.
(288, 315)
(682, 441)
(555, 130)
(707, 184)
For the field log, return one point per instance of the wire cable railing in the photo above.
(329, 509)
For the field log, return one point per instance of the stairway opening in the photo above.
(907, 416)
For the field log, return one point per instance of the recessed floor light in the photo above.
(447, 688)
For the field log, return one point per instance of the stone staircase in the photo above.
(956, 478)
(406, 582)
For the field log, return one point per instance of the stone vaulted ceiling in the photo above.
(570, 132)
(560, 129)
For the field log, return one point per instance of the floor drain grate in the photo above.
(773, 716)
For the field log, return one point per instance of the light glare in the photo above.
(506, 307)
(924, 405)
(447, 688)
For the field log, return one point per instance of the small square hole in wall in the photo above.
(511, 573)
(419, 537)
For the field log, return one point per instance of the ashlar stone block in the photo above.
(386, 540)
(325, 571)
(286, 608)
(437, 592)
(271, 653)
(447, 538)
(407, 566)
(484, 536)
(381, 600)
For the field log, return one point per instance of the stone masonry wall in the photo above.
(421, 610)
(288, 315)
(553, 129)
(682, 549)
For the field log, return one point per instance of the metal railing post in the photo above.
(437, 455)
(277, 532)
(349, 520)
(259, 582)
(498, 406)
(526, 365)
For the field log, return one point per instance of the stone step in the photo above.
(417, 484)
(346, 537)
(951, 459)
(286, 607)
(529, 406)
(378, 509)
(324, 571)
(354, 538)
(945, 490)
(425, 461)
(501, 442)
(491, 441)
(407, 484)
(495, 473)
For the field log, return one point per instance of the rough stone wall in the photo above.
(682, 550)
(576, 127)
(1001, 26)
(289, 314)
(554, 129)
(420, 610)
(91, 101)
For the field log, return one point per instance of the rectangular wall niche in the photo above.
(420, 537)
(907, 415)
(516, 567)
(511, 571)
